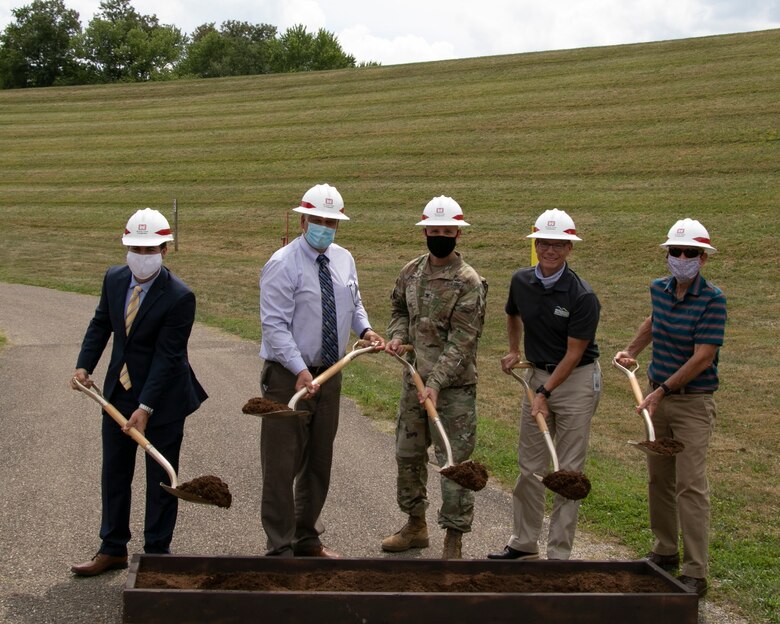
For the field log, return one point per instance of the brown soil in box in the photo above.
(378, 582)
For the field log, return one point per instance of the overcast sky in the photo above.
(407, 31)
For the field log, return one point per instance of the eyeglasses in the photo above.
(676, 252)
(558, 246)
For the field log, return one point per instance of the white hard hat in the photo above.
(555, 224)
(442, 210)
(323, 200)
(688, 233)
(147, 228)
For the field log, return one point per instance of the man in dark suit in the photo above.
(150, 313)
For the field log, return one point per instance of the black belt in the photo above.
(314, 370)
(551, 367)
(684, 390)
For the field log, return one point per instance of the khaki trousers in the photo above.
(572, 405)
(296, 454)
(678, 490)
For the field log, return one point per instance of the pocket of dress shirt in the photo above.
(355, 290)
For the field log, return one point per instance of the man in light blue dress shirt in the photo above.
(297, 452)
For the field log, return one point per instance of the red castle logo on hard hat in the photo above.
(328, 201)
(142, 227)
(439, 210)
(680, 231)
(551, 223)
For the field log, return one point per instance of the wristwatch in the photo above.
(542, 390)
(146, 408)
(667, 390)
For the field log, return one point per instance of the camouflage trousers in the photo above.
(457, 409)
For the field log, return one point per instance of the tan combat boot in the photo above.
(414, 534)
(452, 545)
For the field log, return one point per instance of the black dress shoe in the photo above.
(670, 563)
(511, 553)
(98, 564)
(693, 584)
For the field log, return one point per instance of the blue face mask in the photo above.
(319, 236)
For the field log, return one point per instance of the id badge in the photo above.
(597, 380)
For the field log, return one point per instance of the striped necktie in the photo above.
(132, 310)
(330, 336)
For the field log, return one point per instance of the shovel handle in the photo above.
(538, 417)
(430, 408)
(433, 416)
(418, 382)
(139, 437)
(95, 394)
(331, 371)
(631, 378)
(638, 396)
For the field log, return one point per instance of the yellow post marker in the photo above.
(534, 259)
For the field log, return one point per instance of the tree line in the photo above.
(45, 45)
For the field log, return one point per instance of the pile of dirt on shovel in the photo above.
(259, 405)
(664, 446)
(210, 488)
(568, 483)
(470, 474)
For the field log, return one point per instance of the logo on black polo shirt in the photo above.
(559, 311)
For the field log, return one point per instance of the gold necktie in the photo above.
(132, 310)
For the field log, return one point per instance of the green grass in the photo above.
(627, 139)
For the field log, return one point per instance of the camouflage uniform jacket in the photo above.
(440, 311)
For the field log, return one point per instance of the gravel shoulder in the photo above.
(50, 471)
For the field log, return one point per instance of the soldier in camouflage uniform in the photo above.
(438, 306)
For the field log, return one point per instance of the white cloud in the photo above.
(364, 46)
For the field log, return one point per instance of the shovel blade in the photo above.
(283, 414)
(187, 496)
(643, 448)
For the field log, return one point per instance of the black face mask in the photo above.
(441, 246)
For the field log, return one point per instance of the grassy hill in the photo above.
(627, 139)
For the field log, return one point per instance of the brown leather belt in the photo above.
(685, 390)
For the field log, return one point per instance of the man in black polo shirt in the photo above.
(560, 313)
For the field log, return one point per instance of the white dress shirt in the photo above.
(291, 304)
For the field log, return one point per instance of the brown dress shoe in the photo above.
(317, 551)
(98, 564)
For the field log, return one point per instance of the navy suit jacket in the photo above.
(156, 348)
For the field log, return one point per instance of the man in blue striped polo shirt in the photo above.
(686, 330)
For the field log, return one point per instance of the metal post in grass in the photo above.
(175, 225)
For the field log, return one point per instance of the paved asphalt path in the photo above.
(50, 469)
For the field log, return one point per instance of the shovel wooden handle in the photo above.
(418, 382)
(538, 417)
(331, 371)
(122, 421)
(95, 394)
(430, 408)
(638, 396)
(139, 437)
